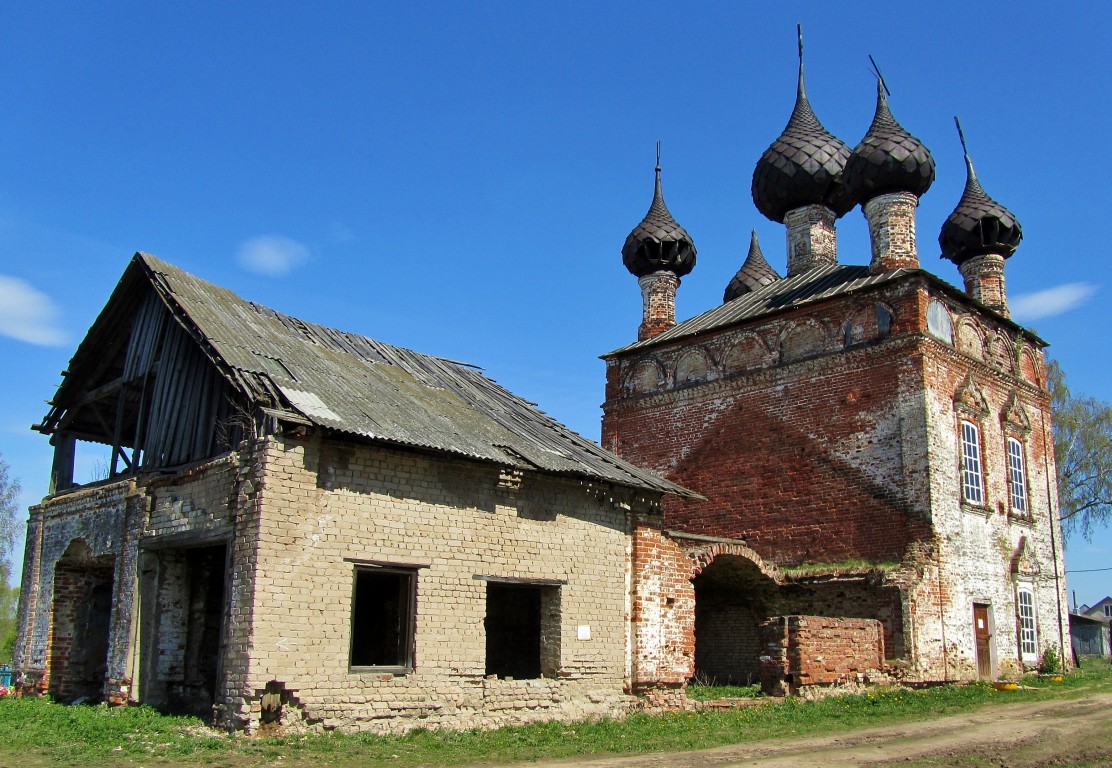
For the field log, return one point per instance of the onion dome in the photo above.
(754, 274)
(802, 167)
(888, 159)
(979, 225)
(658, 242)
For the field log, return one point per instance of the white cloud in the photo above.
(272, 255)
(28, 315)
(1052, 301)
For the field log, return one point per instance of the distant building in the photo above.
(1101, 611)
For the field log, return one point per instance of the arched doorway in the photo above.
(734, 593)
(80, 624)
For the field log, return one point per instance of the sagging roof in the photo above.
(354, 385)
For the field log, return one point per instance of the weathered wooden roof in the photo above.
(357, 386)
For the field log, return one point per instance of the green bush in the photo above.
(1051, 662)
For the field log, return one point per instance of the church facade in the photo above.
(872, 444)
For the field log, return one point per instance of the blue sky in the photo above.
(458, 178)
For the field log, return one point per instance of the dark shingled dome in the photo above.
(888, 159)
(979, 225)
(802, 167)
(658, 242)
(754, 274)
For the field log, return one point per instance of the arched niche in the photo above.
(646, 376)
(694, 366)
(939, 323)
(802, 341)
(745, 354)
(1029, 367)
(970, 341)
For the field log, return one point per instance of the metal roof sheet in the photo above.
(358, 386)
(813, 285)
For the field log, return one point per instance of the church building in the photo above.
(841, 474)
(872, 444)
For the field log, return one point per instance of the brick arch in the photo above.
(1000, 352)
(80, 623)
(862, 325)
(747, 352)
(807, 338)
(701, 557)
(1029, 367)
(646, 375)
(969, 338)
(693, 366)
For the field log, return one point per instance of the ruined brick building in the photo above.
(841, 473)
(303, 525)
(873, 445)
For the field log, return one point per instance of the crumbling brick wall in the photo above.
(806, 432)
(814, 650)
(110, 524)
(327, 507)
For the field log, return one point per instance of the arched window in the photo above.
(1017, 476)
(972, 476)
(1028, 636)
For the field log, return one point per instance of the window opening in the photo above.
(972, 481)
(382, 619)
(1108, 610)
(1028, 640)
(522, 630)
(1017, 475)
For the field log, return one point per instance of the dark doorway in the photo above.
(80, 625)
(522, 630)
(184, 608)
(732, 598)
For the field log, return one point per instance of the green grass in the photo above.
(712, 692)
(37, 732)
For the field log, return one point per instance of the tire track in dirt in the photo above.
(1058, 727)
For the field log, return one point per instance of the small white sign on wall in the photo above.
(584, 632)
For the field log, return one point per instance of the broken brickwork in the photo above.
(825, 437)
(256, 553)
(801, 651)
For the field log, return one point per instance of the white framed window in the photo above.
(1028, 638)
(1108, 610)
(1017, 476)
(972, 478)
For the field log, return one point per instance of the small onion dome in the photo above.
(802, 167)
(754, 274)
(979, 225)
(658, 242)
(888, 159)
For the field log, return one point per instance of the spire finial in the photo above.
(801, 89)
(968, 160)
(879, 76)
(658, 155)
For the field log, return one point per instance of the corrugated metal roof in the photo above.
(814, 285)
(358, 386)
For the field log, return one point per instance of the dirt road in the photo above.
(1049, 733)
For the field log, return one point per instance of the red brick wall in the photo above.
(813, 650)
(808, 460)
